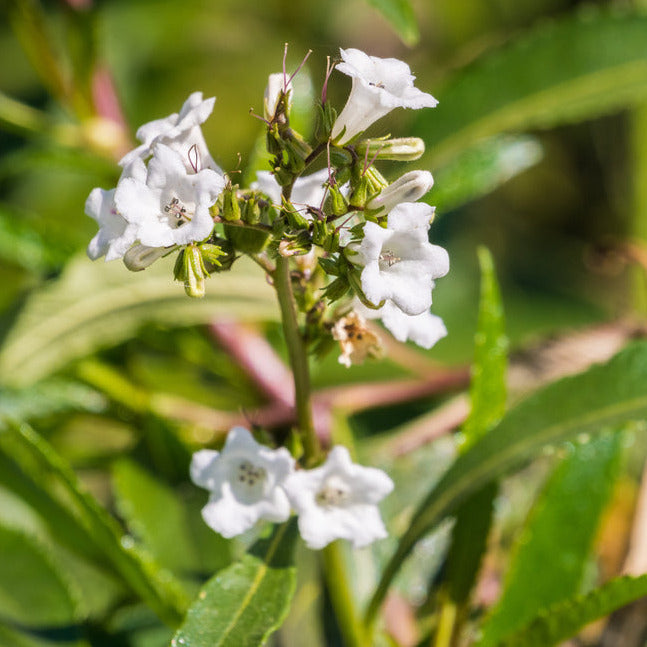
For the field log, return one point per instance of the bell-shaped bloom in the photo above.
(379, 86)
(424, 329)
(407, 188)
(308, 190)
(116, 234)
(171, 207)
(399, 262)
(244, 481)
(181, 132)
(339, 501)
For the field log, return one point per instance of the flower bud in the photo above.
(407, 188)
(231, 208)
(277, 101)
(139, 257)
(193, 272)
(402, 149)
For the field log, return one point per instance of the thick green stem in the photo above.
(298, 360)
(335, 572)
(639, 219)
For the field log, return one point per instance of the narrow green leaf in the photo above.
(603, 396)
(558, 536)
(158, 517)
(564, 619)
(482, 168)
(400, 15)
(79, 521)
(95, 305)
(488, 397)
(11, 637)
(33, 591)
(244, 603)
(577, 68)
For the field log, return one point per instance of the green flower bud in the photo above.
(193, 272)
(401, 149)
(231, 208)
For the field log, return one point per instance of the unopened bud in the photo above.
(407, 188)
(401, 149)
(139, 257)
(278, 97)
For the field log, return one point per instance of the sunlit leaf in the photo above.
(560, 621)
(95, 305)
(603, 396)
(32, 468)
(565, 517)
(400, 15)
(576, 68)
(244, 603)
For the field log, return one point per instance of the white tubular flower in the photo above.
(379, 86)
(244, 481)
(275, 85)
(308, 190)
(407, 188)
(181, 132)
(399, 262)
(424, 329)
(339, 501)
(116, 234)
(172, 206)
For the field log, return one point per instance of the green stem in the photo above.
(335, 572)
(298, 360)
(639, 220)
(446, 624)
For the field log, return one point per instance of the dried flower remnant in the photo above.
(356, 340)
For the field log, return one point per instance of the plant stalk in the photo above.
(341, 596)
(298, 361)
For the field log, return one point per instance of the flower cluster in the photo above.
(249, 482)
(337, 240)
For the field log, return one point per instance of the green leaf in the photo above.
(10, 637)
(560, 621)
(400, 15)
(47, 398)
(488, 383)
(482, 168)
(488, 397)
(33, 591)
(558, 536)
(243, 604)
(32, 468)
(577, 68)
(603, 396)
(159, 518)
(96, 305)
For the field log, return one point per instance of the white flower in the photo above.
(275, 86)
(308, 189)
(424, 329)
(339, 501)
(379, 85)
(115, 235)
(407, 188)
(399, 262)
(181, 132)
(172, 206)
(244, 481)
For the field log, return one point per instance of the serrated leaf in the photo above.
(157, 516)
(33, 591)
(33, 469)
(96, 305)
(400, 15)
(560, 621)
(603, 396)
(558, 537)
(577, 68)
(482, 168)
(244, 603)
